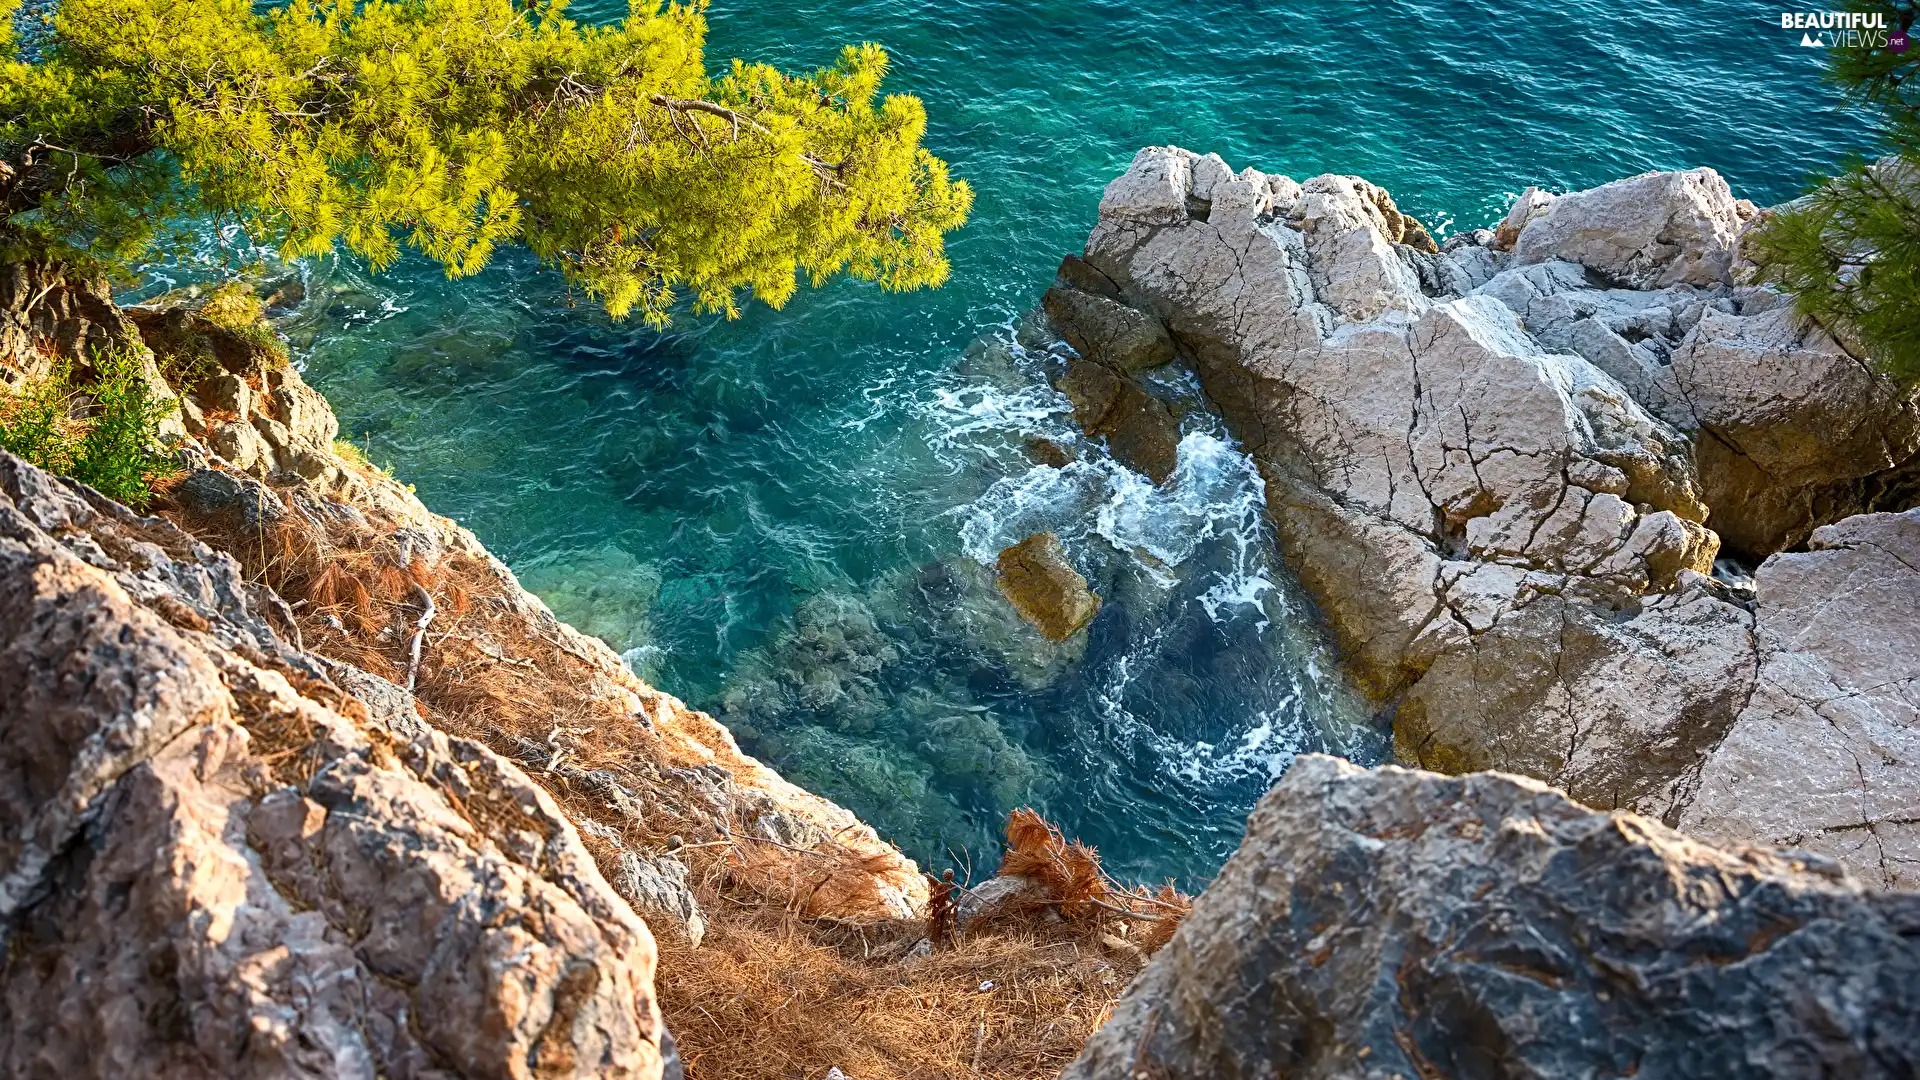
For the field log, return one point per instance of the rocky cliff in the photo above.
(1505, 469)
(265, 794)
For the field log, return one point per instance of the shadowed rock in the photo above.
(1107, 331)
(1139, 428)
(1396, 923)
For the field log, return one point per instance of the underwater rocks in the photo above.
(1497, 471)
(604, 593)
(1113, 343)
(1397, 923)
(1044, 588)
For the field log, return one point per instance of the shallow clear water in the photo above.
(783, 518)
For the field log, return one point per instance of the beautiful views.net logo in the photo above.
(1845, 29)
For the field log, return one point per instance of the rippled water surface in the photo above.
(784, 519)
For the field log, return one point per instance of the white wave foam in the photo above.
(1265, 749)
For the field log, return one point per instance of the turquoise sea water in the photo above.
(782, 519)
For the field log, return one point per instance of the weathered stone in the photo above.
(1823, 755)
(1107, 331)
(1794, 432)
(177, 905)
(1393, 923)
(1042, 451)
(1044, 588)
(239, 444)
(1646, 231)
(1140, 429)
(1076, 273)
(999, 897)
(227, 393)
(274, 432)
(1531, 204)
(657, 888)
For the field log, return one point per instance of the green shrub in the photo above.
(104, 432)
(1849, 250)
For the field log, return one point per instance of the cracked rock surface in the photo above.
(215, 862)
(1397, 923)
(1823, 755)
(1500, 467)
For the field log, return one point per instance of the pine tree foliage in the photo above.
(452, 127)
(1849, 250)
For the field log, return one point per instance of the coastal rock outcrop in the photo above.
(1140, 429)
(1489, 468)
(1396, 923)
(213, 862)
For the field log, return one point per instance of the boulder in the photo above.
(1044, 588)
(1438, 474)
(1140, 429)
(1397, 923)
(1482, 466)
(1822, 756)
(1790, 431)
(658, 888)
(1107, 331)
(1644, 232)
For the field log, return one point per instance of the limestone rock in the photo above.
(1395, 923)
(1076, 273)
(227, 393)
(1470, 461)
(210, 867)
(1483, 468)
(1044, 588)
(1618, 712)
(1795, 433)
(1139, 428)
(1823, 755)
(658, 888)
(1108, 332)
(1647, 231)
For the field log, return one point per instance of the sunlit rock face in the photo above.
(228, 866)
(1501, 467)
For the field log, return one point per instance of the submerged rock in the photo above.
(1395, 923)
(1044, 588)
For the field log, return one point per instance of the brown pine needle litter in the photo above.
(768, 994)
(774, 990)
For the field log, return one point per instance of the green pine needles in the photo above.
(103, 431)
(1849, 251)
(455, 126)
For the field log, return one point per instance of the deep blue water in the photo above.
(782, 518)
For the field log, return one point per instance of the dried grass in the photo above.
(770, 995)
(772, 991)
